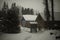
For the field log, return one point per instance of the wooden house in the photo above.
(36, 20)
(28, 20)
(41, 22)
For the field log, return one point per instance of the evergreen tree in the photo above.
(3, 17)
(32, 12)
(23, 11)
(28, 11)
(14, 18)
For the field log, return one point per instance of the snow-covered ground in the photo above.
(26, 35)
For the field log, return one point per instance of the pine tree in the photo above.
(23, 10)
(32, 12)
(4, 17)
(14, 18)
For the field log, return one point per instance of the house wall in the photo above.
(23, 23)
(41, 22)
(27, 24)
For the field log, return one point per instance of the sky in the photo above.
(35, 4)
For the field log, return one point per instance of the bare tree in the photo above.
(46, 11)
(52, 9)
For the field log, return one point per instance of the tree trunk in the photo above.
(52, 9)
(47, 14)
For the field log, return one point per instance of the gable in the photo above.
(39, 18)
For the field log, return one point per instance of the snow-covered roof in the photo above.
(30, 17)
(33, 23)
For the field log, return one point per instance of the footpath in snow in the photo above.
(26, 35)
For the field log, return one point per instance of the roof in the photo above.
(30, 17)
(33, 23)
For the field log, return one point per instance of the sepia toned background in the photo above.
(37, 5)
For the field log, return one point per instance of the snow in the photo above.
(33, 23)
(26, 35)
(30, 17)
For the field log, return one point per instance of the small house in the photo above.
(36, 20)
(28, 20)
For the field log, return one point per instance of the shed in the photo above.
(28, 20)
(33, 20)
